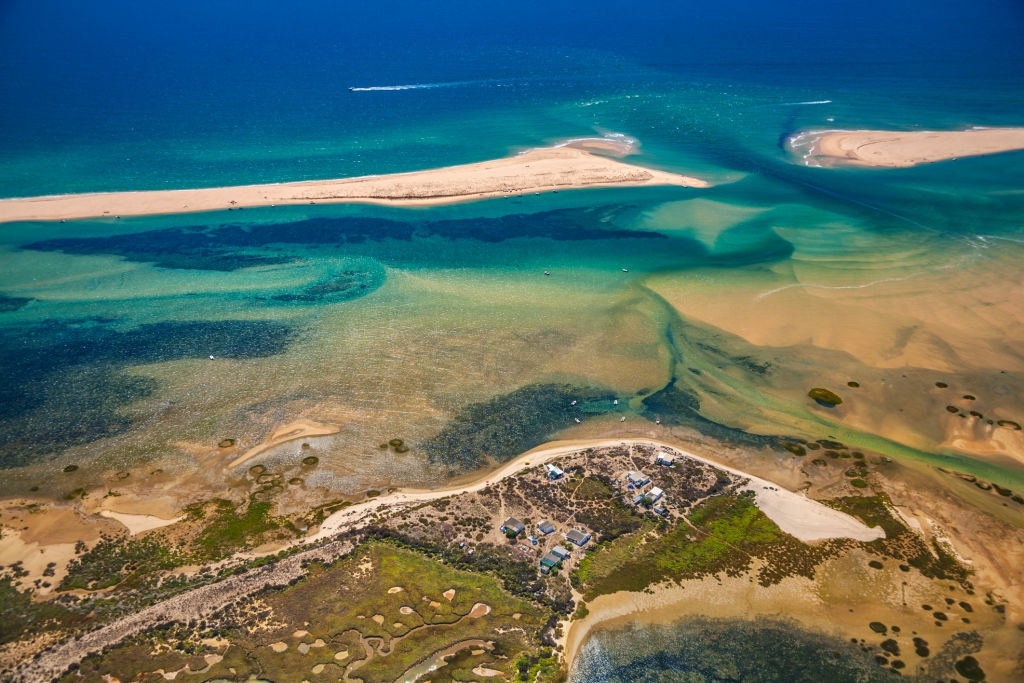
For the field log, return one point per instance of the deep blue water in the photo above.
(126, 95)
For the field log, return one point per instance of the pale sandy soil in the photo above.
(297, 429)
(900, 149)
(136, 524)
(538, 170)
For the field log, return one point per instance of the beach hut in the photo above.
(545, 527)
(637, 480)
(560, 552)
(655, 494)
(549, 562)
(512, 527)
(555, 473)
(580, 538)
(666, 459)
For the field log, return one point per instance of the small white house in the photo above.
(655, 494)
(555, 472)
(637, 480)
(665, 459)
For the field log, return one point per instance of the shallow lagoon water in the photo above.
(709, 650)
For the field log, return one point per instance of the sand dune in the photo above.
(900, 149)
(539, 170)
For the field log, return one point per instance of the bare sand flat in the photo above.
(900, 149)
(539, 170)
(137, 524)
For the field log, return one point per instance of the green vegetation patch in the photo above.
(230, 530)
(825, 397)
(933, 560)
(345, 597)
(117, 561)
(727, 532)
(22, 617)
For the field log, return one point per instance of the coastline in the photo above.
(794, 513)
(899, 149)
(548, 169)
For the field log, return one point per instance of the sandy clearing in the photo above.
(139, 523)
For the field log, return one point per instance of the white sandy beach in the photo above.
(900, 149)
(546, 169)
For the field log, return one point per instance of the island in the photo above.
(899, 149)
(574, 165)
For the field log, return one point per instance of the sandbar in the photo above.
(900, 149)
(546, 169)
(297, 429)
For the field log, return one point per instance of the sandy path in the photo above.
(900, 149)
(538, 170)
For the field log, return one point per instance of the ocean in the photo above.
(728, 304)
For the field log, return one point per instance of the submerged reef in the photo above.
(62, 383)
(347, 284)
(509, 425)
(229, 247)
(13, 303)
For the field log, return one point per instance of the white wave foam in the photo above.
(797, 104)
(429, 86)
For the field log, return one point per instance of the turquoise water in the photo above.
(424, 323)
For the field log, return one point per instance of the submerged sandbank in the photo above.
(538, 170)
(900, 149)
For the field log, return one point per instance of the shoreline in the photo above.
(548, 169)
(796, 514)
(899, 149)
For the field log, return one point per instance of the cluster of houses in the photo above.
(512, 527)
(645, 494)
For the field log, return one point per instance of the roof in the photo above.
(560, 552)
(550, 560)
(545, 527)
(555, 471)
(637, 477)
(578, 537)
(665, 458)
(513, 524)
(655, 493)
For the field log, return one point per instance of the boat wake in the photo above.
(799, 104)
(432, 86)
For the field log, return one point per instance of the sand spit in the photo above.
(900, 149)
(297, 429)
(537, 170)
(794, 513)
